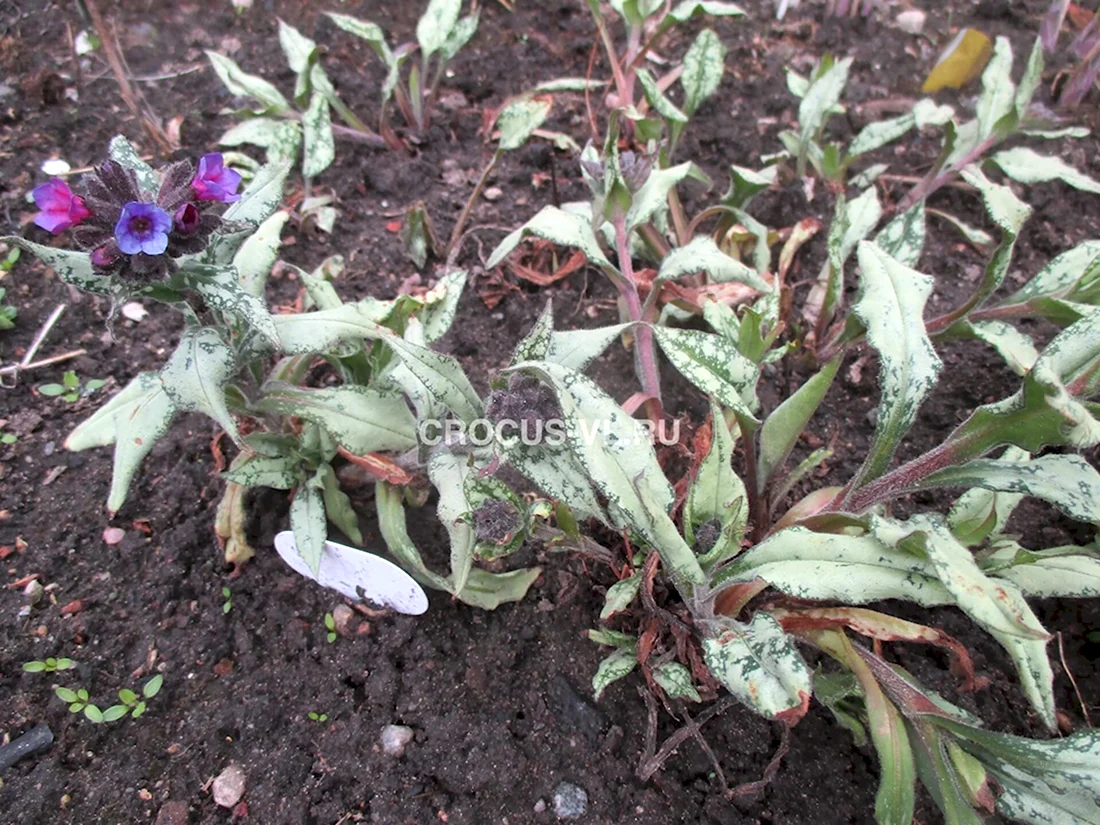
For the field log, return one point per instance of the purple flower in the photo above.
(187, 219)
(61, 209)
(214, 182)
(143, 227)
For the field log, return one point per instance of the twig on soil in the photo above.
(769, 772)
(44, 330)
(45, 362)
(653, 764)
(133, 99)
(1072, 681)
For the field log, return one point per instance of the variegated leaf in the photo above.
(760, 665)
(891, 307)
(1025, 165)
(100, 429)
(713, 364)
(558, 227)
(613, 668)
(139, 424)
(704, 63)
(309, 523)
(196, 374)
(675, 680)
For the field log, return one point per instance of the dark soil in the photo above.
(498, 701)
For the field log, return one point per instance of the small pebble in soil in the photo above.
(911, 21)
(493, 193)
(32, 593)
(229, 786)
(343, 619)
(570, 801)
(173, 813)
(540, 806)
(395, 738)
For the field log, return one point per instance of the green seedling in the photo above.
(49, 665)
(330, 626)
(71, 388)
(130, 703)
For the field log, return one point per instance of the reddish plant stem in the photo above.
(937, 179)
(645, 358)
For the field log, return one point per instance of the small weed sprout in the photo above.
(130, 703)
(330, 627)
(71, 388)
(49, 665)
(227, 604)
(314, 716)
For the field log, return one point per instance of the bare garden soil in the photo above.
(499, 701)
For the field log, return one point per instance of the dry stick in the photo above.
(1072, 681)
(769, 772)
(45, 362)
(652, 765)
(697, 735)
(133, 100)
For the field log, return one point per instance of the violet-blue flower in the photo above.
(213, 181)
(61, 209)
(143, 227)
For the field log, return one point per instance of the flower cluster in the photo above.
(138, 234)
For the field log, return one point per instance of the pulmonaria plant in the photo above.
(138, 234)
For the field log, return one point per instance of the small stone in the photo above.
(454, 178)
(493, 193)
(173, 813)
(33, 591)
(134, 310)
(343, 619)
(570, 801)
(73, 607)
(229, 786)
(911, 21)
(395, 738)
(540, 806)
(113, 535)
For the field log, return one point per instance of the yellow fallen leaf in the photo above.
(961, 62)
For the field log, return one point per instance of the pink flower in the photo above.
(61, 209)
(214, 182)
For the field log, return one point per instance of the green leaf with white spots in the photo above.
(980, 513)
(1061, 275)
(1025, 165)
(1015, 347)
(1029, 83)
(701, 254)
(71, 266)
(366, 30)
(99, 429)
(713, 364)
(301, 53)
(891, 307)
(819, 102)
(488, 591)
(557, 472)
(652, 196)
(309, 523)
(577, 348)
(258, 202)
(196, 375)
(320, 147)
(558, 227)
(436, 24)
(745, 183)
(617, 455)
(256, 131)
(998, 97)
(121, 151)
(1042, 782)
(449, 474)
(441, 304)
(704, 63)
(903, 238)
(687, 9)
(675, 680)
(278, 472)
(1061, 572)
(717, 493)
(760, 665)
(782, 429)
(458, 37)
(620, 595)
(258, 254)
(1010, 214)
(441, 376)
(520, 118)
(222, 289)
(338, 507)
(309, 332)
(242, 84)
(656, 98)
(1067, 481)
(613, 668)
(361, 419)
(139, 424)
(826, 567)
(390, 505)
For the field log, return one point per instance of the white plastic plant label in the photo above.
(358, 575)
